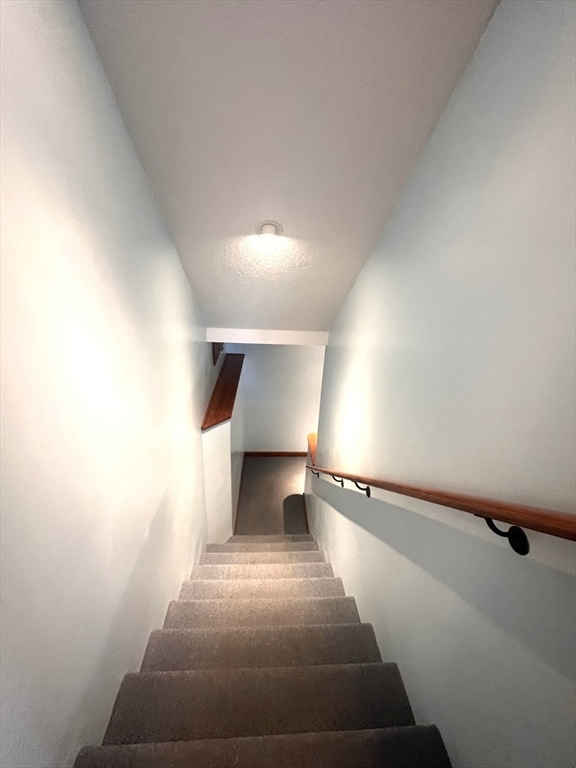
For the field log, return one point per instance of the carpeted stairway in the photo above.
(263, 663)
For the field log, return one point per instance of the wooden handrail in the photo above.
(223, 396)
(560, 524)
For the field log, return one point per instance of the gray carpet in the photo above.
(271, 499)
(263, 662)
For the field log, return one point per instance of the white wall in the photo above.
(218, 482)
(223, 451)
(452, 365)
(105, 378)
(267, 336)
(280, 389)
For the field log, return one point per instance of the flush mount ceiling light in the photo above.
(269, 227)
(266, 255)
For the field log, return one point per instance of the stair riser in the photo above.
(264, 571)
(261, 612)
(172, 650)
(412, 747)
(290, 537)
(229, 589)
(176, 706)
(252, 558)
(305, 546)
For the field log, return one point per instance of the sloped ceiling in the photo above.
(309, 112)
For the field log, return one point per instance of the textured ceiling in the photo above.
(310, 113)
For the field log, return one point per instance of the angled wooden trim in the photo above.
(223, 397)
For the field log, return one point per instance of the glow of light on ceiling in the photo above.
(267, 256)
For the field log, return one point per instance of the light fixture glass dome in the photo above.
(269, 227)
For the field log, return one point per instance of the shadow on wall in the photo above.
(294, 514)
(524, 598)
(127, 636)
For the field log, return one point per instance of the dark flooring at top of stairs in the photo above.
(271, 496)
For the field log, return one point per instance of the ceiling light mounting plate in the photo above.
(269, 227)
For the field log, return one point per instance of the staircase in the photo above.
(263, 663)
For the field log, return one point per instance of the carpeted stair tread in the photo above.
(268, 538)
(250, 558)
(408, 747)
(227, 703)
(264, 571)
(263, 663)
(173, 649)
(232, 589)
(258, 612)
(271, 546)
